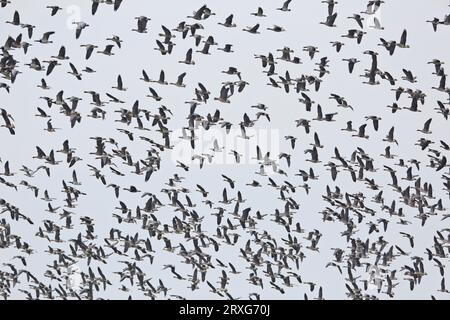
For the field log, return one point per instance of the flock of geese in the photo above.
(220, 244)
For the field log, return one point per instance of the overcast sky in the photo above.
(137, 53)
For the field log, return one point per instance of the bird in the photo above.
(7, 121)
(107, 51)
(228, 22)
(285, 6)
(188, 60)
(330, 20)
(142, 22)
(253, 29)
(45, 39)
(54, 9)
(80, 26)
(259, 12)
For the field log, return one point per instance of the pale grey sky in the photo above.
(137, 53)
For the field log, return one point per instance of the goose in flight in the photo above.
(7, 172)
(30, 29)
(285, 6)
(116, 40)
(314, 155)
(154, 94)
(161, 48)
(61, 54)
(50, 127)
(5, 86)
(338, 45)
(409, 76)
(180, 79)
(89, 50)
(329, 22)
(16, 19)
(355, 34)
(351, 63)
(390, 46)
(188, 60)
(390, 136)
(80, 26)
(54, 10)
(373, 6)
(276, 28)
(426, 127)
(402, 43)
(377, 24)
(202, 14)
(120, 86)
(141, 24)
(359, 20)
(259, 12)
(45, 39)
(74, 71)
(224, 95)
(375, 121)
(108, 50)
(7, 121)
(435, 22)
(253, 29)
(228, 22)
(330, 4)
(361, 132)
(227, 48)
